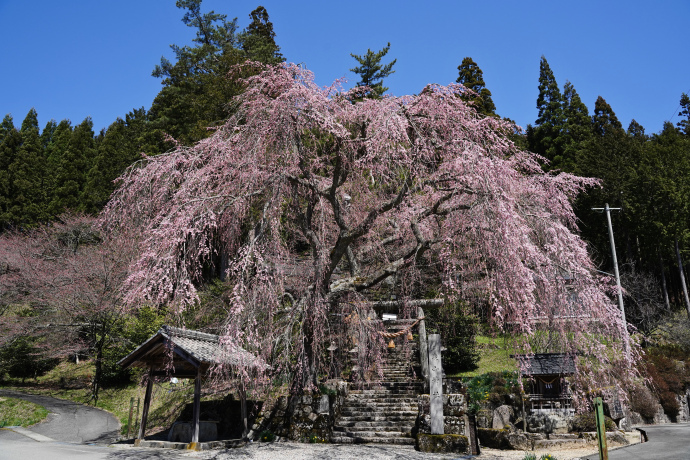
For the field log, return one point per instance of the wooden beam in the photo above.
(425, 303)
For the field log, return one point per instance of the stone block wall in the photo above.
(299, 418)
(454, 414)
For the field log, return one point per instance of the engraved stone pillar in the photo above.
(423, 348)
(435, 384)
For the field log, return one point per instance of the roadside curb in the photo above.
(29, 434)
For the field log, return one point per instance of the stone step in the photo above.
(375, 434)
(365, 440)
(398, 392)
(382, 403)
(374, 426)
(376, 412)
(377, 418)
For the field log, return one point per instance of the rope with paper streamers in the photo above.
(392, 335)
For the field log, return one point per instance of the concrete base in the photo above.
(182, 432)
(191, 446)
(442, 443)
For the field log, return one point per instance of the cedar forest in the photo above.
(249, 202)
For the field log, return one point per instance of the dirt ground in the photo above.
(559, 454)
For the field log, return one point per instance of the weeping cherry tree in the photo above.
(315, 203)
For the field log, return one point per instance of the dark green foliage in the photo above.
(258, 40)
(372, 72)
(267, 436)
(458, 334)
(197, 88)
(119, 147)
(545, 137)
(28, 173)
(72, 163)
(22, 359)
(636, 131)
(604, 120)
(576, 128)
(614, 157)
(472, 77)
(684, 125)
(129, 332)
(10, 140)
(493, 386)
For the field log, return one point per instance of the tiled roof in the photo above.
(195, 347)
(547, 364)
(207, 348)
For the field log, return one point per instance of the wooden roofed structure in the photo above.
(183, 353)
(549, 390)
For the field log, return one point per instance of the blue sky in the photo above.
(94, 58)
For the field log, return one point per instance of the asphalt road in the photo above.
(667, 442)
(71, 431)
(72, 422)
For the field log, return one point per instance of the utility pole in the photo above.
(615, 268)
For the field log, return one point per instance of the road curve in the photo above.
(668, 442)
(71, 422)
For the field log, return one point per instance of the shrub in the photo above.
(267, 436)
(643, 402)
(587, 422)
(492, 387)
(668, 377)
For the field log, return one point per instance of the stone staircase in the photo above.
(384, 411)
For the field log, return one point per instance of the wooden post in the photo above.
(423, 348)
(129, 420)
(197, 409)
(472, 429)
(136, 423)
(145, 410)
(601, 429)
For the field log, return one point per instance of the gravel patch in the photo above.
(297, 451)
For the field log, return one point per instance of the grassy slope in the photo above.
(494, 356)
(71, 382)
(17, 412)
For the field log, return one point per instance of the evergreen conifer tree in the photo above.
(684, 125)
(372, 72)
(576, 127)
(604, 120)
(472, 77)
(636, 131)
(258, 40)
(545, 138)
(10, 141)
(115, 153)
(28, 200)
(70, 175)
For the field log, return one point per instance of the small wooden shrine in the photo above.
(182, 353)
